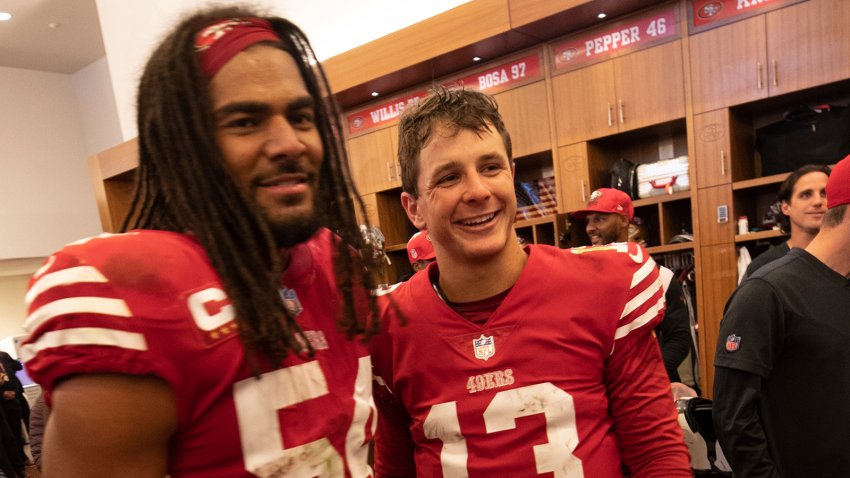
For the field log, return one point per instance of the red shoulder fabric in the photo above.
(550, 383)
(149, 302)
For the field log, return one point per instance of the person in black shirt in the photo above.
(781, 377)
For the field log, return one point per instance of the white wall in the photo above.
(96, 102)
(130, 31)
(46, 197)
(12, 309)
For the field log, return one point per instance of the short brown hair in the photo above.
(835, 216)
(457, 109)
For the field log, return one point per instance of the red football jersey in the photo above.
(149, 302)
(565, 379)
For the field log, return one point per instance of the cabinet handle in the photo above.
(622, 114)
(722, 163)
(775, 74)
(583, 192)
(389, 171)
(610, 119)
(758, 75)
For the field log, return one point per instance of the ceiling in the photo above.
(29, 42)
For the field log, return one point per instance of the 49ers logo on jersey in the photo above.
(484, 347)
(490, 380)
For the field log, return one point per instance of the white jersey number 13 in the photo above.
(556, 405)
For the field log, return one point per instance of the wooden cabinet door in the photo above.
(574, 182)
(712, 148)
(729, 65)
(370, 204)
(525, 111)
(584, 103)
(372, 161)
(718, 278)
(650, 86)
(710, 230)
(395, 178)
(808, 45)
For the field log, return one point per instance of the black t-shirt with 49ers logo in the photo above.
(783, 372)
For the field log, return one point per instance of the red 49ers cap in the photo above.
(609, 201)
(419, 247)
(838, 186)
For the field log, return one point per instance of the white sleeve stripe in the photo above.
(643, 297)
(666, 277)
(643, 272)
(385, 290)
(644, 318)
(76, 305)
(45, 267)
(380, 381)
(84, 336)
(73, 275)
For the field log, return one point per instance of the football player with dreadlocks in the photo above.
(218, 335)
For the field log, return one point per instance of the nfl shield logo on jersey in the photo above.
(290, 301)
(484, 347)
(733, 342)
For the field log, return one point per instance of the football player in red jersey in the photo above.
(514, 361)
(211, 339)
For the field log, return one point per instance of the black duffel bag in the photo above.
(807, 135)
(624, 177)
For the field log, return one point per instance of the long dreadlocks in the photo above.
(183, 184)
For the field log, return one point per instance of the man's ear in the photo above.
(784, 207)
(622, 228)
(411, 207)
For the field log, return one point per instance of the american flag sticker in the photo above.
(733, 342)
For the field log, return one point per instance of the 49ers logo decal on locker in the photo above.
(707, 14)
(710, 9)
(491, 80)
(617, 38)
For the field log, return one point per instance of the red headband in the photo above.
(221, 41)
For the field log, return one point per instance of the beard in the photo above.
(297, 228)
(296, 219)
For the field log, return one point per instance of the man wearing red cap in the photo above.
(211, 339)
(420, 251)
(609, 213)
(781, 377)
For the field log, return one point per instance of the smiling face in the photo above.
(265, 127)
(808, 203)
(605, 228)
(466, 195)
